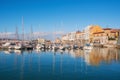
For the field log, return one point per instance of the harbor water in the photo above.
(95, 64)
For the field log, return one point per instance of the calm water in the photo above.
(98, 64)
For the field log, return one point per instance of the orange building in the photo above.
(106, 35)
(90, 30)
(93, 30)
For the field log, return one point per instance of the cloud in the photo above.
(34, 35)
(59, 33)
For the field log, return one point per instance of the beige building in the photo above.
(69, 37)
(80, 37)
(106, 36)
(41, 40)
(57, 41)
(64, 38)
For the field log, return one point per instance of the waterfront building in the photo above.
(89, 32)
(41, 40)
(71, 36)
(111, 33)
(100, 37)
(57, 41)
(106, 36)
(80, 37)
(64, 39)
(93, 34)
(118, 41)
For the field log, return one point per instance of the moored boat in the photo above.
(88, 47)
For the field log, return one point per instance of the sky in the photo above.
(58, 15)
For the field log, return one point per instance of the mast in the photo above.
(39, 32)
(17, 36)
(31, 33)
(6, 35)
(22, 30)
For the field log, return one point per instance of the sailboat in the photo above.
(19, 46)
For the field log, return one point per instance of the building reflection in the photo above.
(106, 55)
(97, 55)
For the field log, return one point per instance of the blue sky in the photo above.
(58, 15)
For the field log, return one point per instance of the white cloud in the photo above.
(58, 32)
(35, 35)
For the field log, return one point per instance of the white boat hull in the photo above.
(88, 47)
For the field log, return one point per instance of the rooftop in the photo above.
(107, 28)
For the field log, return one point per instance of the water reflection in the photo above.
(97, 55)
(107, 55)
(56, 63)
(91, 57)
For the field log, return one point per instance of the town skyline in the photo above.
(50, 35)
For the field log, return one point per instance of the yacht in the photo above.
(88, 47)
(39, 46)
(6, 44)
(18, 46)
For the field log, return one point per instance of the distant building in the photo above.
(48, 42)
(78, 35)
(71, 36)
(57, 41)
(65, 37)
(41, 40)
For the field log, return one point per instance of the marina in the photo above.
(59, 40)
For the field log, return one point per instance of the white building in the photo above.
(64, 37)
(71, 36)
(87, 32)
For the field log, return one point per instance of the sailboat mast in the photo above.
(6, 35)
(17, 37)
(31, 33)
(22, 29)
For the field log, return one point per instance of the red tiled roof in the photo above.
(107, 28)
(63, 35)
(98, 32)
(115, 30)
(77, 32)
